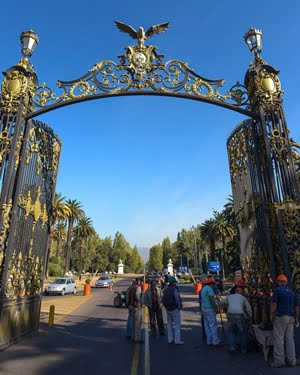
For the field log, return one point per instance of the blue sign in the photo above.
(213, 266)
(183, 269)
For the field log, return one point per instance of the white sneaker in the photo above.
(179, 343)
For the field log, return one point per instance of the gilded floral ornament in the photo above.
(5, 218)
(37, 209)
(142, 69)
(264, 88)
(18, 86)
(291, 223)
(239, 152)
(44, 148)
(25, 275)
(256, 271)
(5, 142)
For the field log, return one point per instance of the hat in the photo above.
(172, 280)
(210, 280)
(282, 278)
(240, 282)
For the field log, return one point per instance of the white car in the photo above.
(103, 282)
(61, 286)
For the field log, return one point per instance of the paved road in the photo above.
(91, 340)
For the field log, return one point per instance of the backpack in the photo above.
(169, 299)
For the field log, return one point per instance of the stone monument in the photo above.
(120, 267)
(170, 267)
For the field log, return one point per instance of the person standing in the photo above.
(130, 316)
(173, 305)
(239, 314)
(209, 311)
(153, 300)
(134, 301)
(284, 315)
(202, 319)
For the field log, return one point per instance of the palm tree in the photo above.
(75, 213)
(59, 235)
(229, 209)
(60, 212)
(208, 234)
(83, 231)
(224, 230)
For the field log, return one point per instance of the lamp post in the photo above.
(29, 41)
(253, 39)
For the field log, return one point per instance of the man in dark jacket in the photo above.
(173, 305)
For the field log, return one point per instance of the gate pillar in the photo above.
(29, 156)
(264, 167)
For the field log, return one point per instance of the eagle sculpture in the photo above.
(141, 35)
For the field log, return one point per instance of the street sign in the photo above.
(213, 266)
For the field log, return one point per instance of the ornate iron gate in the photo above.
(264, 163)
(265, 187)
(29, 163)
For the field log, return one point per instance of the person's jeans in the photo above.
(129, 323)
(211, 326)
(136, 322)
(237, 325)
(156, 316)
(283, 333)
(174, 319)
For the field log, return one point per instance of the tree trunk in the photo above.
(80, 260)
(224, 255)
(69, 243)
(212, 248)
(51, 230)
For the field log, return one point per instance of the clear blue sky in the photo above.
(146, 166)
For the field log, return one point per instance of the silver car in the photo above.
(103, 282)
(61, 286)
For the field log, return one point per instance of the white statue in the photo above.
(120, 267)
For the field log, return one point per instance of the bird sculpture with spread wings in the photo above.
(141, 35)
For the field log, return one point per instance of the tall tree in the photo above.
(60, 211)
(75, 213)
(208, 234)
(155, 258)
(135, 262)
(224, 230)
(83, 231)
(59, 235)
(167, 251)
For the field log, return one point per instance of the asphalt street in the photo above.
(91, 340)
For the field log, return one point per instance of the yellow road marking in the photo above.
(63, 307)
(147, 344)
(135, 359)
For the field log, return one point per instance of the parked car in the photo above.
(103, 282)
(61, 286)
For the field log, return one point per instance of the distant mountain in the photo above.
(144, 252)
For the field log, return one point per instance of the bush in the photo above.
(55, 270)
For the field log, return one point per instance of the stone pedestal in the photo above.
(120, 268)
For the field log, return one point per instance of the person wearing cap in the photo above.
(284, 315)
(153, 300)
(240, 283)
(134, 306)
(173, 305)
(239, 314)
(209, 311)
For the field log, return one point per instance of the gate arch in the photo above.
(262, 161)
